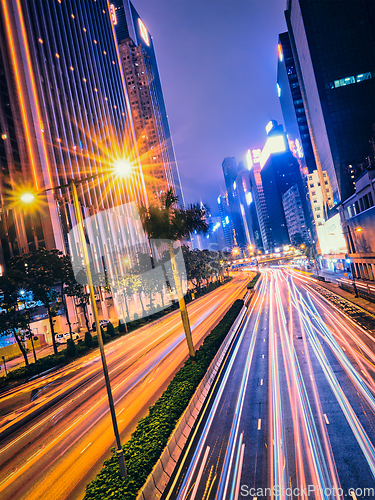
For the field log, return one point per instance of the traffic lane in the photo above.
(332, 404)
(40, 391)
(131, 415)
(204, 475)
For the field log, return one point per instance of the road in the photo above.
(293, 405)
(58, 451)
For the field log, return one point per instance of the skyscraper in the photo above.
(226, 221)
(230, 171)
(291, 103)
(63, 114)
(295, 217)
(333, 44)
(146, 101)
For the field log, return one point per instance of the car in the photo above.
(102, 322)
(67, 336)
(60, 339)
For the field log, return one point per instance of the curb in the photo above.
(163, 469)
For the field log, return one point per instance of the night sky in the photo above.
(218, 64)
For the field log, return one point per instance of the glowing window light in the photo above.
(96, 90)
(104, 52)
(40, 40)
(113, 13)
(278, 90)
(234, 185)
(4, 136)
(218, 200)
(95, 42)
(84, 79)
(84, 29)
(274, 144)
(269, 126)
(227, 219)
(249, 198)
(280, 51)
(144, 32)
(57, 55)
(72, 16)
(71, 67)
(249, 160)
(299, 148)
(113, 62)
(58, 139)
(256, 155)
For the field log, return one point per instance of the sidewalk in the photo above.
(19, 362)
(334, 287)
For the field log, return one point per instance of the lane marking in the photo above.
(85, 448)
(326, 419)
(259, 424)
(199, 477)
(261, 381)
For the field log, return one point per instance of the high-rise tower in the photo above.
(333, 44)
(146, 101)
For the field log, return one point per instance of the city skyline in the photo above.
(234, 48)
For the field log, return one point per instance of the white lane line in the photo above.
(259, 424)
(326, 419)
(201, 469)
(261, 381)
(85, 448)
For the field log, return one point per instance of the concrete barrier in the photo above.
(162, 471)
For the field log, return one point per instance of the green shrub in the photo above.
(88, 340)
(252, 283)
(71, 348)
(111, 330)
(152, 433)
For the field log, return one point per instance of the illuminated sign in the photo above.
(216, 226)
(280, 52)
(227, 219)
(113, 13)
(144, 32)
(274, 144)
(249, 160)
(256, 155)
(331, 237)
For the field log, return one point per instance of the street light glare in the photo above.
(27, 197)
(122, 168)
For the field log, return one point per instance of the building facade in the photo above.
(357, 215)
(146, 101)
(333, 46)
(295, 217)
(316, 195)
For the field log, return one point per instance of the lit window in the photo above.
(84, 29)
(123, 114)
(104, 52)
(103, 11)
(40, 40)
(57, 55)
(113, 62)
(58, 139)
(106, 98)
(95, 41)
(71, 67)
(72, 16)
(84, 79)
(115, 107)
(96, 90)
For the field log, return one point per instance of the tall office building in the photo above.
(256, 186)
(247, 208)
(230, 171)
(227, 222)
(295, 217)
(279, 172)
(146, 101)
(333, 44)
(63, 114)
(291, 102)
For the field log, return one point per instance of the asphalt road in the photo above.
(56, 431)
(292, 412)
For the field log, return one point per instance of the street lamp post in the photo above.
(27, 198)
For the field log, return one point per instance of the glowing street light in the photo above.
(358, 230)
(122, 168)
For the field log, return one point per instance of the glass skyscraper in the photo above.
(333, 44)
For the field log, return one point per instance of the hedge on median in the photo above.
(151, 435)
(252, 283)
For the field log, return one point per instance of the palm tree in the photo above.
(169, 222)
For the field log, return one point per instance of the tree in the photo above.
(12, 319)
(169, 222)
(41, 271)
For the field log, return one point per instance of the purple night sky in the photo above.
(217, 62)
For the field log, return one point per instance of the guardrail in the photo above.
(365, 290)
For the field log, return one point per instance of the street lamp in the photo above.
(119, 168)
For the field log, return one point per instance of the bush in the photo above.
(252, 283)
(88, 340)
(152, 433)
(111, 330)
(71, 348)
(121, 326)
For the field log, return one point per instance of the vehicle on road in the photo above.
(102, 322)
(61, 338)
